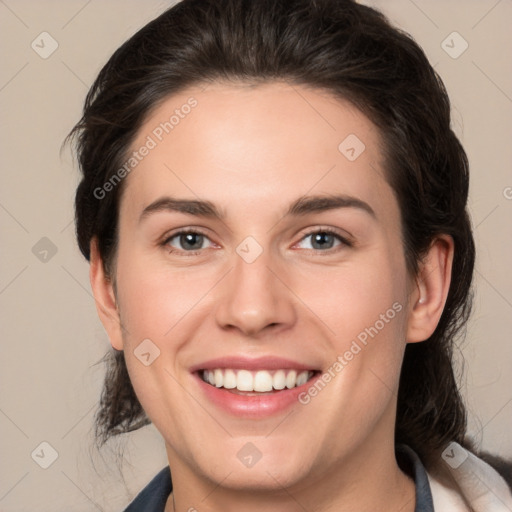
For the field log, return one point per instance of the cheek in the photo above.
(155, 299)
(364, 309)
(354, 299)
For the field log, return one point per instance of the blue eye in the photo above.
(189, 241)
(324, 240)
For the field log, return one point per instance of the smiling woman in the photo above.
(284, 270)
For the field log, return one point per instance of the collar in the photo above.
(154, 496)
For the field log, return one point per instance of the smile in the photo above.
(254, 388)
(261, 381)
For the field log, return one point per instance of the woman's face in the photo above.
(293, 269)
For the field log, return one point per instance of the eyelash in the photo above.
(344, 241)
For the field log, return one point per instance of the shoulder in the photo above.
(154, 496)
(462, 482)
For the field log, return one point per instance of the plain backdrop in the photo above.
(51, 338)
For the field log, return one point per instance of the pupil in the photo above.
(192, 240)
(320, 240)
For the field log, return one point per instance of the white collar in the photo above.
(461, 482)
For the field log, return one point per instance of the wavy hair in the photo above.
(351, 51)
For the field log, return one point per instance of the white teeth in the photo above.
(244, 381)
(219, 378)
(262, 381)
(279, 380)
(229, 379)
(291, 379)
(302, 378)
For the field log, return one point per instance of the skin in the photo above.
(253, 150)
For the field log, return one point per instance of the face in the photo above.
(261, 283)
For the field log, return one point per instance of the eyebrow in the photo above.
(302, 206)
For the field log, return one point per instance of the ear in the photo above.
(428, 298)
(104, 296)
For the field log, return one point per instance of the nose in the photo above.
(254, 298)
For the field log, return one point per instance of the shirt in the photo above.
(154, 496)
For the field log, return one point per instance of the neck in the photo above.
(366, 480)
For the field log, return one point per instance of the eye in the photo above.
(324, 240)
(188, 241)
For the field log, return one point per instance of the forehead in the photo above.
(239, 144)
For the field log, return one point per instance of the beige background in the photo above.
(51, 338)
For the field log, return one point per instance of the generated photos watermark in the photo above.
(157, 135)
(355, 348)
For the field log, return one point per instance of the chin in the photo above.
(257, 465)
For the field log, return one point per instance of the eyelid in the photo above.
(183, 231)
(344, 240)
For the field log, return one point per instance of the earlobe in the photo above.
(428, 299)
(105, 298)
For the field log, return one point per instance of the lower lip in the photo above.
(253, 406)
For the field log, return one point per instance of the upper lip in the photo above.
(252, 363)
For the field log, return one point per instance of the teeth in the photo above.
(219, 378)
(291, 379)
(279, 380)
(261, 381)
(229, 379)
(244, 381)
(302, 378)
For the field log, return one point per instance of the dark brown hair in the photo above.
(349, 50)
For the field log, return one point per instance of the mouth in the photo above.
(254, 388)
(247, 382)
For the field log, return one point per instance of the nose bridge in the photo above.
(253, 298)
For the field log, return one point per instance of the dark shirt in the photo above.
(154, 496)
